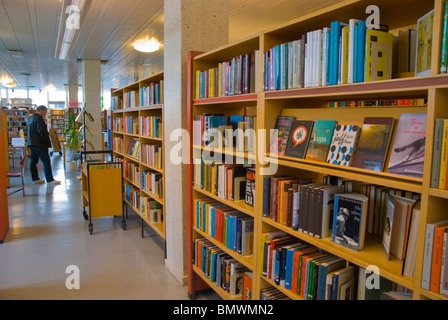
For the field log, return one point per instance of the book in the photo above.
(437, 152)
(250, 187)
(408, 151)
(279, 139)
(443, 156)
(379, 47)
(343, 145)
(428, 251)
(437, 253)
(299, 138)
(325, 268)
(247, 285)
(374, 143)
(444, 271)
(349, 220)
(406, 50)
(411, 247)
(444, 50)
(367, 291)
(341, 277)
(320, 140)
(424, 44)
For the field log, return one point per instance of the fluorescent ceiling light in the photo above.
(5, 79)
(9, 84)
(147, 45)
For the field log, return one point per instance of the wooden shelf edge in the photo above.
(289, 293)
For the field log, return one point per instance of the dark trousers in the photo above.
(42, 154)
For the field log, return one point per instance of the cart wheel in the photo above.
(51, 153)
(84, 213)
(123, 224)
(90, 228)
(60, 153)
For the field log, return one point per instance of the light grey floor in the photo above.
(48, 233)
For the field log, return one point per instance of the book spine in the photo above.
(427, 258)
(438, 137)
(444, 51)
(444, 268)
(444, 160)
(436, 259)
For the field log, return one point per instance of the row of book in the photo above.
(151, 155)
(229, 78)
(151, 209)
(118, 144)
(272, 293)
(218, 131)
(132, 195)
(151, 182)
(439, 173)
(116, 103)
(227, 225)
(314, 274)
(130, 125)
(117, 125)
(435, 259)
(131, 99)
(152, 94)
(133, 148)
(131, 171)
(226, 272)
(233, 182)
(349, 144)
(150, 126)
(420, 102)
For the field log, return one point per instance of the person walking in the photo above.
(39, 142)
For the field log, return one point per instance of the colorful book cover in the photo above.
(320, 140)
(379, 47)
(343, 145)
(299, 138)
(349, 220)
(424, 44)
(408, 151)
(373, 143)
(280, 136)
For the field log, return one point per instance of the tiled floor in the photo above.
(48, 233)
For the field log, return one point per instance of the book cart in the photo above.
(55, 142)
(102, 188)
(314, 103)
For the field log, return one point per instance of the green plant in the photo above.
(71, 132)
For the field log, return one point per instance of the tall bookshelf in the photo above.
(16, 120)
(57, 122)
(137, 120)
(313, 103)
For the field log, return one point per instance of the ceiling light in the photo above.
(147, 45)
(50, 87)
(5, 79)
(9, 84)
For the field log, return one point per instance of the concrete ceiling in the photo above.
(107, 31)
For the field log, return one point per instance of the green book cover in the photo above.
(320, 140)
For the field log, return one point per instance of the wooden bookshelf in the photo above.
(312, 103)
(128, 103)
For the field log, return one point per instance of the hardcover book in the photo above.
(280, 137)
(379, 47)
(320, 140)
(299, 138)
(349, 220)
(343, 145)
(408, 151)
(373, 143)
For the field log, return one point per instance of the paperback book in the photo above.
(408, 151)
(374, 143)
(299, 138)
(343, 145)
(279, 139)
(320, 140)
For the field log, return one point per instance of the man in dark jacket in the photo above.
(39, 142)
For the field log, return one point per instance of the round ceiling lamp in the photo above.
(147, 45)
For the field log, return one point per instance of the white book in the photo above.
(319, 57)
(427, 258)
(325, 43)
(443, 269)
(351, 45)
(290, 64)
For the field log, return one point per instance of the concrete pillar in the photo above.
(198, 25)
(91, 85)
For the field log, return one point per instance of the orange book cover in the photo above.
(247, 286)
(303, 271)
(436, 265)
(295, 267)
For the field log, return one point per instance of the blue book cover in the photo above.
(361, 50)
(212, 224)
(334, 52)
(355, 55)
(202, 85)
(213, 267)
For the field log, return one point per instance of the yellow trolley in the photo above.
(102, 188)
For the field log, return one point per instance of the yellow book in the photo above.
(444, 157)
(213, 180)
(220, 79)
(211, 82)
(198, 84)
(379, 46)
(345, 38)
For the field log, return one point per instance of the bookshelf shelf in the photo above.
(140, 99)
(221, 292)
(413, 94)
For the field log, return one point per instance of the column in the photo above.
(91, 86)
(198, 25)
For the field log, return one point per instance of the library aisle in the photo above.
(48, 233)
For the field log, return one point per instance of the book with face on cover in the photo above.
(280, 137)
(343, 145)
(374, 143)
(408, 150)
(320, 140)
